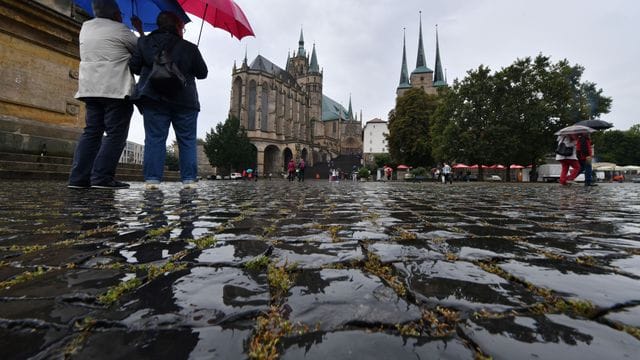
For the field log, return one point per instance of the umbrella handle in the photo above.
(206, 6)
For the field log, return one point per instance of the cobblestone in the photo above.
(341, 270)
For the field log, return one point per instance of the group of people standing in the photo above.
(579, 160)
(296, 171)
(110, 54)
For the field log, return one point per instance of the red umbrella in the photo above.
(515, 166)
(460, 166)
(223, 14)
(402, 167)
(476, 166)
(498, 166)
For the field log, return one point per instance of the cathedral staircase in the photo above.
(17, 166)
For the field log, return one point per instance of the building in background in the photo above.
(287, 115)
(133, 153)
(374, 139)
(422, 77)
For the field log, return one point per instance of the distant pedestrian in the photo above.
(584, 152)
(388, 172)
(568, 161)
(291, 170)
(105, 85)
(446, 174)
(301, 167)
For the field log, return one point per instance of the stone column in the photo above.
(260, 169)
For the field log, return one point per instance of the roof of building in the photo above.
(314, 68)
(438, 76)
(404, 77)
(332, 110)
(376, 121)
(261, 63)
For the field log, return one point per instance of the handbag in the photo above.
(563, 149)
(165, 77)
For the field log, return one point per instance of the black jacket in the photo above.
(184, 54)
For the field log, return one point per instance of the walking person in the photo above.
(291, 170)
(162, 107)
(105, 85)
(301, 167)
(584, 152)
(568, 161)
(446, 174)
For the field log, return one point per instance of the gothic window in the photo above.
(237, 97)
(264, 113)
(252, 106)
(278, 112)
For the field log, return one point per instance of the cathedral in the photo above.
(422, 77)
(286, 114)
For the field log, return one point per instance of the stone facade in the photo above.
(286, 114)
(39, 61)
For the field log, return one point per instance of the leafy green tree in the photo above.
(381, 160)
(172, 162)
(619, 147)
(228, 146)
(409, 139)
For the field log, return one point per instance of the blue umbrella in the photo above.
(146, 10)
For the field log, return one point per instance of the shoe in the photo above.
(78, 186)
(592, 185)
(189, 184)
(113, 184)
(151, 185)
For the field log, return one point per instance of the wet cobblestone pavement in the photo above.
(320, 270)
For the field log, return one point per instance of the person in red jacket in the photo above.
(584, 152)
(291, 169)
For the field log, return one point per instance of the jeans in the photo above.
(585, 165)
(96, 157)
(157, 119)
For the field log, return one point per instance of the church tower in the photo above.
(422, 76)
(438, 76)
(298, 65)
(404, 74)
(313, 85)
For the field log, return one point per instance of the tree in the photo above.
(381, 160)
(620, 147)
(172, 161)
(228, 147)
(409, 139)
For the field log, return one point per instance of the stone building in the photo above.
(422, 77)
(287, 115)
(133, 153)
(39, 60)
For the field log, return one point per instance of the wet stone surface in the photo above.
(320, 270)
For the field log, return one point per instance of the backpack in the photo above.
(165, 77)
(563, 149)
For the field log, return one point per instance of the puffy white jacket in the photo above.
(567, 142)
(105, 49)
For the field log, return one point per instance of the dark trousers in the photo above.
(96, 156)
(585, 166)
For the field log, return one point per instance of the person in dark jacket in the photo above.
(584, 152)
(159, 110)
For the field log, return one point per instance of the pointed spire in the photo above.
(314, 68)
(438, 76)
(286, 67)
(245, 61)
(301, 51)
(350, 112)
(361, 115)
(404, 74)
(421, 62)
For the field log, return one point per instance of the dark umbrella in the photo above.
(146, 10)
(595, 124)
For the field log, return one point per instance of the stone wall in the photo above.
(39, 60)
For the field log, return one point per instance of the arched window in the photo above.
(236, 104)
(279, 112)
(252, 106)
(264, 114)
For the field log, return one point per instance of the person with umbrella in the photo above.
(584, 152)
(162, 107)
(566, 151)
(105, 85)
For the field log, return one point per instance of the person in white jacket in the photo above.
(568, 161)
(105, 85)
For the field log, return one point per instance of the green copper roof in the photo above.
(301, 51)
(421, 62)
(314, 68)
(332, 110)
(438, 76)
(404, 77)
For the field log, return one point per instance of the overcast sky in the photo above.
(359, 46)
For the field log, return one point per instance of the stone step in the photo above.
(15, 157)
